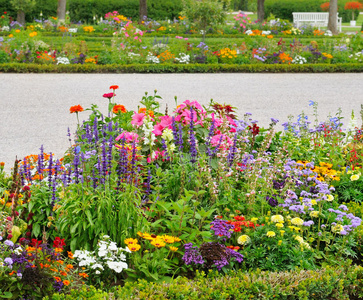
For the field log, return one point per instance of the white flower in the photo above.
(72, 30)
(102, 253)
(62, 60)
(267, 32)
(112, 246)
(97, 266)
(172, 147)
(98, 272)
(248, 32)
(117, 266)
(167, 134)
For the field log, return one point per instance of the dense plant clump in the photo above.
(164, 193)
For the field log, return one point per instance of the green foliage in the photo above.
(24, 5)
(84, 10)
(328, 283)
(204, 14)
(85, 293)
(284, 8)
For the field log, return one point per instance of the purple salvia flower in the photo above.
(211, 132)
(218, 145)
(180, 138)
(50, 170)
(40, 166)
(76, 164)
(232, 151)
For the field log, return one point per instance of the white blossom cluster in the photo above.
(299, 60)
(5, 28)
(357, 56)
(61, 60)
(107, 255)
(149, 138)
(152, 58)
(183, 58)
(295, 31)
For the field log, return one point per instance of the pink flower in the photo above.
(166, 121)
(158, 129)
(128, 136)
(225, 140)
(138, 119)
(109, 95)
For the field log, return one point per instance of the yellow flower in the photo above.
(134, 247)
(354, 177)
(313, 202)
(277, 219)
(279, 243)
(297, 221)
(254, 220)
(282, 232)
(168, 239)
(299, 239)
(244, 240)
(314, 214)
(10, 35)
(330, 198)
(174, 249)
(158, 243)
(337, 228)
(176, 239)
(130, 241)
(17, 30)
(279, 225)
(270, 234)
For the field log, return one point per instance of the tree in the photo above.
(204, 14)
(260, 10)
(333, 20)
(22, 7)
(142, 10)
(61, 11)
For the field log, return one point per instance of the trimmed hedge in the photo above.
(333, 283)
(283, 9)
(175, 68)
(84, 10)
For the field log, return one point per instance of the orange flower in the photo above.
(113, 87)
(12, 273)
(76, 109)
(69, 266)
(66, 282)
(70, 254)
(57, 279)
(63, 273)
(2, 164)
(134, 247)
(84, 275)
(143, 110)
(119, 108)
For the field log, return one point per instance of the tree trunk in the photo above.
(333, 20)
(21, 17)
(143, 10)
(61, 11)
(260, 10)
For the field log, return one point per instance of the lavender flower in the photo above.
(222, 228)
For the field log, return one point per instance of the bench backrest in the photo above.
(311, 16)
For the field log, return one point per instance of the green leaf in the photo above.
(89, 216)
(36, 229)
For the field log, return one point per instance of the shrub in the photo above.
(284, 8)
(84, 10)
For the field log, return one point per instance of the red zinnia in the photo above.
(76, 109)
(113, 87)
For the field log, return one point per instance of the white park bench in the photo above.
(318, 19)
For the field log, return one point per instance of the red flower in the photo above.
(113, 87)
(58, 243)
(5, 12)
(35, 243)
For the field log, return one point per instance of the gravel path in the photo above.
(35, 107)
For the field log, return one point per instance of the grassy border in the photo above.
(175, 68)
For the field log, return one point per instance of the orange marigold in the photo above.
(57, 279)
(66, 282)
(119, 108)
(76, 109)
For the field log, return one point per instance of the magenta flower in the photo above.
(158, 129)
(128, 136)
(138, 119)
(109, 95)
(166, 121)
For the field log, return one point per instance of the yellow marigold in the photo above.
(271, 234)
(174, 249)
(297, 221)
(277, 219)
(354, 177)
(279, 225)
(244, 240)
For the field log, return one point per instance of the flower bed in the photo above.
(127, 43)
(164, 193)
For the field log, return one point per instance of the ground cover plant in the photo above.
(181, 41)
(185, 192)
